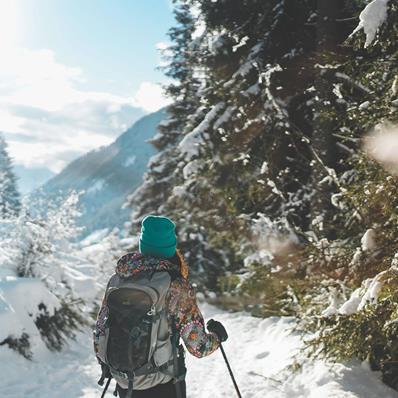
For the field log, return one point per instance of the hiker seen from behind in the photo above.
(149, 304)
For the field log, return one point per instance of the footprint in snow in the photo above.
(262, 355)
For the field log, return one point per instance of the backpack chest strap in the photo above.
(144, 370)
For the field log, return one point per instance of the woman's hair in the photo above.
(179, 260)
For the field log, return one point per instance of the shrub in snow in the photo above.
(365, 326)
(56, 328)
(19, 344)
(44, 288)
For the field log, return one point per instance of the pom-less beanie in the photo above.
(158, 236)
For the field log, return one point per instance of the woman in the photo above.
(158, 254)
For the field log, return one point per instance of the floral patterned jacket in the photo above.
(181, 304)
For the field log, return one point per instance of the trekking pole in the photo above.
(230, 371)
(106, 387)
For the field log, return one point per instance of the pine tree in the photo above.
(258, 127)
(158, 181)
(9, 196)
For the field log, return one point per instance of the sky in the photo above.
(75, 74)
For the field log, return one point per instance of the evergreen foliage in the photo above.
(37, 248)
(262, 163)
(9, 196)
(57, 328)
(21, 345)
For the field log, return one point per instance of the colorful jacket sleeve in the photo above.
(187, 318)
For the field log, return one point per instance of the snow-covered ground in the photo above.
(260, 352)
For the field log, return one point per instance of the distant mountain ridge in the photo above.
(30, 178)
(108, 175)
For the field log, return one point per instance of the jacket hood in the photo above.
(133, 263)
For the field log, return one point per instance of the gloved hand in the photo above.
(105, 373)
(105, 370)
(217, 328)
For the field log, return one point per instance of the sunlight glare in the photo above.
(8, 24)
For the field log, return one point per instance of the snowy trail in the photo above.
(259, 352)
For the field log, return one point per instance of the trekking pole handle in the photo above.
(230, 371)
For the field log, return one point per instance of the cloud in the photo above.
(38, 137)
(49, 119)
(150, 97)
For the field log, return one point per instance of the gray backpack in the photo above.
(138, 346)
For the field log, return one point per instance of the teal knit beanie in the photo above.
(158, 236)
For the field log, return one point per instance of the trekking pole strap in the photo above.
(230, 371)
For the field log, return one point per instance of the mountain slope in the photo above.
(107, 175)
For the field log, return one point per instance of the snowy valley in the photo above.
(107, 176)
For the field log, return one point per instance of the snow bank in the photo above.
(19, 307)
(371, 18)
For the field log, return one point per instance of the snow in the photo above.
(356, 258)
(225, 117)
(372, 293)
(96, 187)
(129, 161)
(217, 42)
(262, 257)
(260, 352)
(333, 304)
(394, 87)
(242, 42)
(368, 293)
(364, 105)
(368, 240)
(167, 122)
(247, 65)
(255, 89)
(189, 145)
(19, 301)
(192, 168)
(94, 237)
(178, 191)
(371, 19)
(351, 305)
(264, 168)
